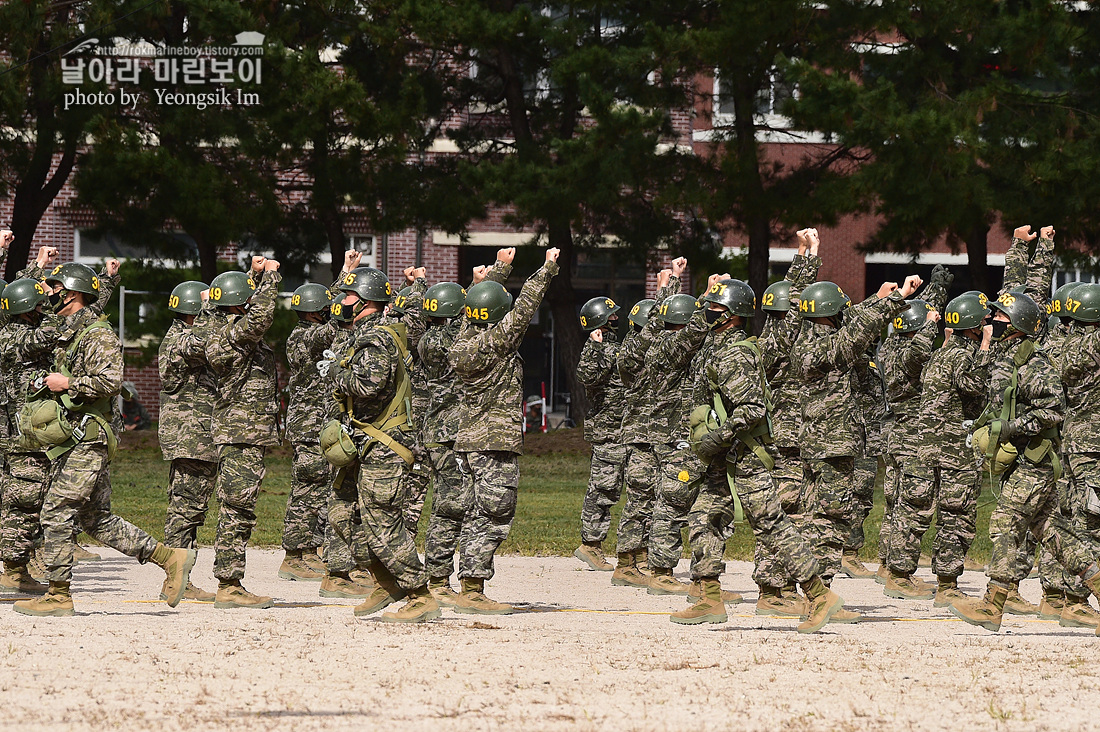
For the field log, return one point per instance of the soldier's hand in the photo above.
(412, 274)
(715, 278)
(112, 267)
(596, 335)
(886, 288)
(506, 255)
(663, 277)
(46, 255)
(352, 259)
(57, 382)
(204, 295)
(815, 242)
(552, 254)
(1047, 232)
(911, 285)
(6, 238)
(480, 273)
(270, 265)
(987, 336)
(948, 332)
(258, 264)
(678, 266)
(933, 315)
(803, 241)
(1023, 232)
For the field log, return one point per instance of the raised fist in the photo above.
(112, 266)
(6, 238)
(678, 266)
(352, 259)
(506, 255)
(552, 254)
(270, 265)
(1047, 232)
(1023, 232)
(663, 277)
(480, 273)
(46, 256)
(596, 335)
(258, 264)
(886, 288)
(911, 285)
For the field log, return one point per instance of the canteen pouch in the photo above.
(1004, 458)
(44, 421)
(337, 446)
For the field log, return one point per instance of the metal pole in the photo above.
(122, 315)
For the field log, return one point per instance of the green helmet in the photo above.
(1083, 302)
(22, 296)
(1021, 310)
(966, 311)
(677, 310)
(311, 298)
(912, 318)
(76, 278)
(443, 300)
(735, 295)
(822, 300)
(777, 298)
(402, 299)
(3, 284)
(341, 314)
(487, 302)
(596, 312)
(639, 314)
(186, 298)
(232, 288)
(980, 295)
(370, 284)
(1057, 306)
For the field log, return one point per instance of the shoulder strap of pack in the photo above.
(70, 352)
(398, 412)
(751, 436)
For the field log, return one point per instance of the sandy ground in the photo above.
(581, 655)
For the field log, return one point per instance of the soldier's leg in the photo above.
(710, 523)
(863, 493)
(24, 488)
(345, 548)
(680, 481)
(891, 485)
(240, 472)
(450, 503)
(913, 511)
(1083, 499)
(829, 499)
(417, 479)
(382, 498)
(304, 521)
(190, 485)
(768, 572)
(495, 482)
(636, 518)
(957, 506)
(605, 486)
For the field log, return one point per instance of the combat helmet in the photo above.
(370, 284)
(737, 298)
(186, 298)
(311, 298)
(487, 302)
(596, 312)
(1057, 307)
(1083, 303)
(677, 309)
(965, 312)
(22, 296)
(822, 300)
(443, 300)
(912, 318)
(401, 301)
(777, 298)
(1021, 310)
(232, 288)
(76, 277)
(639, 314)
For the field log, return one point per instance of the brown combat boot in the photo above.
(16, 580)
(881, 574)
(985, 612)
(36, 566)
(904, 587)
(473, 601)
(641, 561)
(1015, 604)
(824, 603)
(190, 593)
(80, 554)
(177, 565)
(420, 608)
(663, 583)
(948, 591)
(295, 567)
(592, 555)
(232, 595)
(772, 601)
(696, 591)
(708, 609)
(313, 558)
(628, 575)
(56, 603)
(1078, 613)
(380, 598)
(442, 592)
(852, 567)
(1051, 606)
(344, 587)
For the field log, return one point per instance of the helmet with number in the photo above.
(1021, 310)
(777, 298)
(965, 312)
(639, 314)
(1083, 303)
(311, 298)
(370, 284)
(1056, 309)
(339, 313)
(677, 309)
(22, 296)
(912, 318)
(232, 288)
(596, 312)
(487, 302)
(444, 300)
(735, 295)
(186, 298)
(402, 299)
(822, 300)
(980, 295)
(76, 278)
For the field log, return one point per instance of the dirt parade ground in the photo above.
(580, 655)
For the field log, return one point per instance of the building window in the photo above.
(768, 106)
(1064, 276)
(91, 247)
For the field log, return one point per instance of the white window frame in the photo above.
(91, 260)
(769, 119)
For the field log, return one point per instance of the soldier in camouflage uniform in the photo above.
(245, 416)
(444, 304)
(490, 434)
(87, 377)
(733, 380)
(632, 540)
(372, 384)
(871, 393)
(188, 389)
(903, 357)
(598, 371)
(310, 474)
(1029, 498)
(831, 435)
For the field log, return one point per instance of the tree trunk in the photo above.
(760, 236)
(758, 225)
(208, 254)
(977, 254)
(567, 330)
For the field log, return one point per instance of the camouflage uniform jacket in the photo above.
(415, 325)
(1033, 278)
(737, 374)
(632, 363)
(597, 370)
(188, 390)
(1080, 371)
(669, 380)
(871, 393)
(440, 423)
(490, 373)
(305, 412)
(824, 357)
(341, 344)
(955, 382)
(25, 350)
(247, 409)
(95, 365)
(1040, 402)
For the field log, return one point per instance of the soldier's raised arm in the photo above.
(261, 314)
(1040, 271)
(1016, 259)
(507, 336)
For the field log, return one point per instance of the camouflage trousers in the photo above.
(640, 467)
(712, 516)
(240, 472)
(927, 489)
(1029, 503)
(79, 497)
(22, 490)
(494, 480)
(417, 479)
(863, 495)
(451, 499)
(679, 481)
(605, 485)
(1081, 480)
(827, 499)
(190, 485)
(891, 488)
(307, 506)
(386, 545)
(769, 570)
